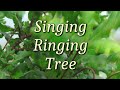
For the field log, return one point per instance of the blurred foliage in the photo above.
(102, 55)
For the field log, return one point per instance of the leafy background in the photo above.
(18, 61)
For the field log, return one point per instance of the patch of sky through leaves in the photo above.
(10, 23)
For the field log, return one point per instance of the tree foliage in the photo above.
(18, 61)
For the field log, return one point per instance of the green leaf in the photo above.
(1, 14)
(19, 70)
(4, 28)
(22, 55)
(1, 35)
(103, 30)
(34, 74)
(3, 74)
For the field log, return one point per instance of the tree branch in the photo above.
(9, 39)
(83, 69)
(113, 74)
(19, 41)
(71, 60)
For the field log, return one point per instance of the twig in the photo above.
(19, 41)
(31, 23)
(19, 49)
(9, 40)
(113, 74)
(83, 69)
(71, 60)
(70, 54)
